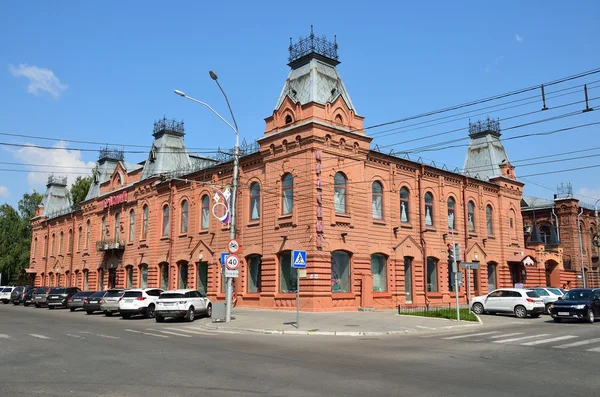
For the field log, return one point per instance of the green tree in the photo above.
(15, 243)
(80, 189)
(28, 204)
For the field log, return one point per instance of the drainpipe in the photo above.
(581, 248)
(71, 249)
(466, 229)
(171, 230)
(422, 231)
(557, 224)
(47, 250)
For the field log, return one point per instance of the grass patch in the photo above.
(313, 330)
(436, 312)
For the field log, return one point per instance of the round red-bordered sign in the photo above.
(233, 246)
(232, 262)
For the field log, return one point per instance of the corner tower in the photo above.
(486, 157)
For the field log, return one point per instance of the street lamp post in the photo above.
(235, 182)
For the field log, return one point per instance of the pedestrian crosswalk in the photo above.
(524, 339)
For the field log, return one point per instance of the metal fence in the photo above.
(446, 310)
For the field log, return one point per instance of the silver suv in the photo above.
(548, 296)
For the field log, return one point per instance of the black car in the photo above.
(579, 304)
(76, 301)
(57, 297)
(18, 293)
(40, 296)
(91, 304)
(28, 297)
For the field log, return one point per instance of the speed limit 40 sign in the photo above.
(232, 262)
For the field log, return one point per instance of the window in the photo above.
(70, 241)
(512, 217)
(86, 280)
(287, 274)
(79, 238)
(184, 216)
(378, 265)
(340, 271)
(254, 273)
(202, 275)
(428, 209)
(377, 200)
(451, 213)
(404, 207)
(34, 246)
(339, 193)
(88, 234)
(144, 276)
(183, 275)
(491, 274)
(45, 246)
(204, 214)
(164, 276)
(60, 243)
(254, 201)
(165, 221)
(117, 226)
(545, 234)
(592, 245)
(488, 220)
(145, 222)
(129, 277)
(103, 226)
(131, 225)
(288, 119)
(53, 241)
(432, 283)
(471, 216)
(287, 194)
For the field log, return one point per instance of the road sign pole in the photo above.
(455, 269)
(468, 284)
(297, 299)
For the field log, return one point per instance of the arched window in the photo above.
(60, 243)
(404, 205)
(254, 263)
(287, 273)
(287, 194)
(432, 279)
(288, 119)
(103, 226)
(593, 248)
(86, 279)
(45, 246)
(129, 277)
(70, 241)
(545, 234)
(471, 216)
(340, 271)
(88, 234)
(428, 209)
(377, 200)
(183, 275)
(255, 201)
(339, 193)
(35, 246)
(184, 216)
(491, 274)
(53, 244)
(145, 222)
(79, 238)
(165, 221)
(489, 221)
(144, 276)
(117, 226)
(378, 269)
(205, 212)
(451, 213)
(164, 276)
(511, 222)
(131, 225)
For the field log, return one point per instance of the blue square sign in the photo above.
(224, 256)
(299, 259)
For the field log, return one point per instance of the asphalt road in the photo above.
(59, 353)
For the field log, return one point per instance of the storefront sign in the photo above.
(116, 199)
(320, 223)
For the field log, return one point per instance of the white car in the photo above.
(519, 301)
(5, 294)
(186, 303)
(548, 295)
(139, 301)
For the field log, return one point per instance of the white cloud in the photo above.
(3, 191)
(587, 194)
(518, 37)
(58, 161)
(40, 79)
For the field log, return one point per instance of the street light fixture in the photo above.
(236, 172)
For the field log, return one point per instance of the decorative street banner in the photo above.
(221, 207)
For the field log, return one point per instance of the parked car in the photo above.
(91, 304)
(57, 297)
(579, 304)
(16, 297)
(139, 301)
(40, 296)
(76, 301)
(185, 303)
(519, 301)
(547, 296)
(28, 297)
(5, 294)
(109, 304)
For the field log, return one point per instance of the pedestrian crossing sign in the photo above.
(299, 259)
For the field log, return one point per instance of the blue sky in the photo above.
(104, 71)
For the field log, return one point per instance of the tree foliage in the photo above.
(80, 189)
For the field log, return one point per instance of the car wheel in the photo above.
(72, 309)
(37, 306)
(590, 318)
(89, 311)
(126, 315)
(478, 308)
(150, 311)
(159, 319)
(191, 314)
(209, 311)
(557, 320)
(108, 314)
(520, 311)
(547, 311)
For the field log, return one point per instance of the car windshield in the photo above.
(132, 294)
(171, 295)
(575, 295)
(555, 291)
(532, 294)
(113, 294)
(40, 291)
(83, 294)
(542, 292)
(57, 291)
(98, 294)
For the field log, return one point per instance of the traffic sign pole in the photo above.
(297, 299)
(298, 262)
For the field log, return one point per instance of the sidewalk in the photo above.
(381, 322)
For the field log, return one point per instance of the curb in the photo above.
(319, 333)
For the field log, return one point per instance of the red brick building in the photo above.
(375, 226)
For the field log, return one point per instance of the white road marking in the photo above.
(75, 336)
(470, 335)
(39, 336)
(146, 333)
(100, 335)
(170, 333)
(579, 343)
(506, 335)
(520, 338)
(4, 336)
(192, 331)
(596, 350)
(539, 342)
(420, 326)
